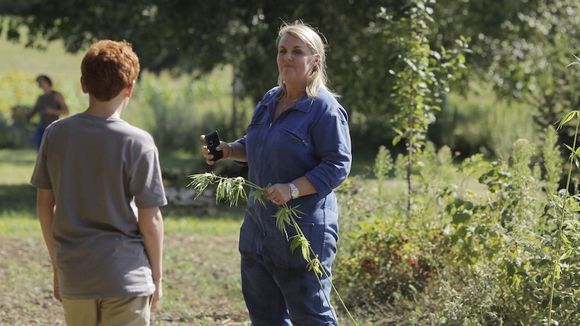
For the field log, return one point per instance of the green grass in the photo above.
(54, 61)
(484, 123)
(15, 166)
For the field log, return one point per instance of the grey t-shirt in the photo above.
(100, 170)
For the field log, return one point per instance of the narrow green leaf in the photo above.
(396, 140)
(295, 243)
(314, 266)
(305, 247)
(567, 118)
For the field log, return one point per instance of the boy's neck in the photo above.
(108, 109)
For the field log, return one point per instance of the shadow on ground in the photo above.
(19, 198)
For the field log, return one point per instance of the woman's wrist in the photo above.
(230, 151)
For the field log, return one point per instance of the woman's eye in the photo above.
(281, 51)
(297, 52)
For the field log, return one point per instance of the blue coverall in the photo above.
(310, 139)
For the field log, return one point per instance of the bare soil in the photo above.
(201, 283)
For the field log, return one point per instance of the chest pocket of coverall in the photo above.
(296, 136)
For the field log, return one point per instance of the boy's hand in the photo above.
(156, 297)
(56, 287)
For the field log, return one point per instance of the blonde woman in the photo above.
(298, 144)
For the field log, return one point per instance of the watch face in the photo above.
(293, 191)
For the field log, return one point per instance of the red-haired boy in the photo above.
(99, 190)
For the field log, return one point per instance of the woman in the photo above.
(297, 145)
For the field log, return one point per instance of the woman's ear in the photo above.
(317, 59)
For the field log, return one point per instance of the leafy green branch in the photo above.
(566, 205)
(232, 190)
(421, 80)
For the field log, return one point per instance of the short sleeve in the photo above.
(146, 183)
(40, 177)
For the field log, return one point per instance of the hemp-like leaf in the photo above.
(314, 266)
(293, 211)
(294, 243)
(302, 242)
(282, 217)
(224, 190)
(199, 182)
(238, 191)
(260, 196)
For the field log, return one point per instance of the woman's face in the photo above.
(295, 60)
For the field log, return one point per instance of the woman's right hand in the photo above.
(223, 146)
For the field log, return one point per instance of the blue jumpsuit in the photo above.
(310, 139)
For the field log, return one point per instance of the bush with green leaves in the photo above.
(489, 243)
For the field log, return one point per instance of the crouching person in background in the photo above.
(99, 190)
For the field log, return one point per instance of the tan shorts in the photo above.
(116, 311)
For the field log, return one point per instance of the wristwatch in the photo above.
(294, 193)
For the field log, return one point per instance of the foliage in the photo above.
(421, 80)
(188, 36)
(522, 47)
(383, 166)
(484, 248)
(551, 156)
(478, 122)
(175, 110)
(566, 228)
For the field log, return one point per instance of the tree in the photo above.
(186, 35)
(522, 47)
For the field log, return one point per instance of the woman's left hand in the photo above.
(279, 193)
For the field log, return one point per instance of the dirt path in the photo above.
(201, 283)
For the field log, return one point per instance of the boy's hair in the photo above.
(108, 68)
(45, 78)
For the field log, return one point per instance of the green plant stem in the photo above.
(560, 223)
(335, 291)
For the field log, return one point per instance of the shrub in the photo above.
(480, 249)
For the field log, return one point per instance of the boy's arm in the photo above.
(62, 104)
(62, 108)
(45, 205)
(35, 109)
(151, 227)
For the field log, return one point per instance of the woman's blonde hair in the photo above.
(317, 78)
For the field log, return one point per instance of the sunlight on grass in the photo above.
(18, 225)
(16, 166)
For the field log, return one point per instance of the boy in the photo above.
(99, 189)
(50, 105)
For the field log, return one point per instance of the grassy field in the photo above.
(201, 261)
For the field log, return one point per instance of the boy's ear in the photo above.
(84, 86)
(129, 89)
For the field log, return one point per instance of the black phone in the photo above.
(212, 140)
